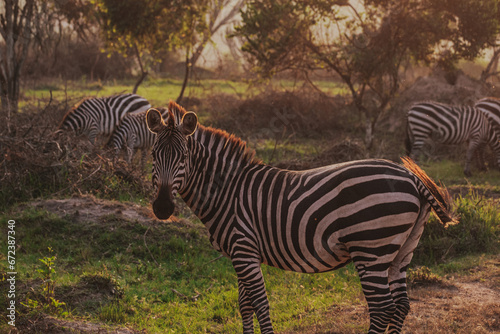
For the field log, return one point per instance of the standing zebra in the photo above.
(448, 125)
(371, 212)
(100, 116)
(133, 133)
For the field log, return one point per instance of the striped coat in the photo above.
(447, 124)
(490, 107)
(370, 212)
(100, 116)
(133, 134)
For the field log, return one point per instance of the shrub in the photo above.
(477, 232)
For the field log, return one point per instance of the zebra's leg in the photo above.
(479, 157)
(246, 309)
(92, 135)
(473, 145)
(397, 272)
(416, 148)
(144, 155)
(376, 289)
(130, 148)
(254, 293)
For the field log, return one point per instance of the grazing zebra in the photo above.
(371, 212)
(448, 125)
(490, 107)
(133, 133)
(100, 116)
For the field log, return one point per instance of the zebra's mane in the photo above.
(207, 135)
(238, 147)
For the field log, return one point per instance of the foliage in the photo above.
(48, 301)
(477, 232)
(144, 29)
(366, 46)
(422, 275)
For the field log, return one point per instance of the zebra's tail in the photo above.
(438, 197)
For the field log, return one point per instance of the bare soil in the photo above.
(465, 304)
(468, 303)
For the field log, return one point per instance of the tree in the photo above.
(145, 28)
(15, 29)
(219, 13)
(368, 44)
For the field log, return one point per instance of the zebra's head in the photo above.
(170, 153)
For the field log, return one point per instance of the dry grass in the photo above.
(37, 161)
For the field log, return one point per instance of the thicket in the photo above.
(36, 161)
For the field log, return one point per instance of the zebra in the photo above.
(133, 133)
(448, 125)
(370, 212)
(100, 116)
(490, 106)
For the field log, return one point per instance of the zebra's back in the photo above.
(100, 116)
(446, 124)
(449, 124)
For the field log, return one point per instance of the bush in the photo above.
(272, 114)
(478, 232)
(37, 163)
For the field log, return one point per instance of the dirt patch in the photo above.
(47, 324)
(459, 305)
(468, 307)
(90, 208)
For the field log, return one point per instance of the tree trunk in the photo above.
(186, 77)
(491, 68)
(15, 26)
(369, 135)
(139, 81)
(144, 73)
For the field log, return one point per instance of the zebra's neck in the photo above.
(216, 162)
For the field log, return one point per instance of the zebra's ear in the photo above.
(154, 120)
(189, 123)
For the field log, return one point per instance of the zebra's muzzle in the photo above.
(163, 205)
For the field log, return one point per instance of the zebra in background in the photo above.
(100, 116)
(133, 134)
(448, 125)
(490, 107)
(370, 212)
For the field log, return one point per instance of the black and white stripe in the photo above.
(101, 116)
(447, 124)
(370, 212)
(490, 107)
(133, 134)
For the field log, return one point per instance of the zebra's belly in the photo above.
(326, 246)
(318, 259)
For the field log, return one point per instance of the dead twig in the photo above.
(180, 294)
(146, 245)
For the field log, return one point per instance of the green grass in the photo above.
(205, 297)
(451, 173)
(157, 90)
